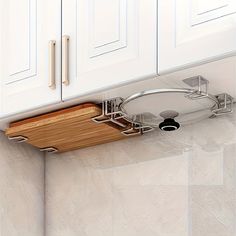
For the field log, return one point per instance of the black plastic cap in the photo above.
(169, 124)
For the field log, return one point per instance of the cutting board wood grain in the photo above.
(67, 129)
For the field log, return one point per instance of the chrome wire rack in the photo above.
(113, 110)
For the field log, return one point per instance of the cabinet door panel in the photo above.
(24, 44)
(195, 31)
(28, 26)
(111, 43)
(107, 36)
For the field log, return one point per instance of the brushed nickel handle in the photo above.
(65, 60)
(52, 64)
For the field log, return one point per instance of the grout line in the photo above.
(44, 196)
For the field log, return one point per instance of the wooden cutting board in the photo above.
(67, 129)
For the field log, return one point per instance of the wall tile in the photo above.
(162, 184)
(21, 190)
(213, 211)
(79, 198)
(150, 211)
(206, 168)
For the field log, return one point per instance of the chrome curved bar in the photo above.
(171, 90)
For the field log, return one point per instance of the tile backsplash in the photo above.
(160, 184)
(167, 184)
(21, 190)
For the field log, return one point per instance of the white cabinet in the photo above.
(105, 44)
(109, 43)
(192, 32)
(28, 62)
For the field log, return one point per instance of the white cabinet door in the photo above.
(111, 42)
(192, 32)
(28, 65)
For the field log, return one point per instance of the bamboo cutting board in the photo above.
(67, 129)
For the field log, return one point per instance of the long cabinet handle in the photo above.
(65, 60)
(52, 64)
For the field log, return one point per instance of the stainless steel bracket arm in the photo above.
(111, 113)
(225, 104)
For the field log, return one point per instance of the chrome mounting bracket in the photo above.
(18, 139)
(111, 113)
(225, 105)
(224, 100)
(49, 150)
(136, 129)
(202, 87)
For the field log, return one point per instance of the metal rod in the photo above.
(159, 91)
(65, 60)
(52, 65)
